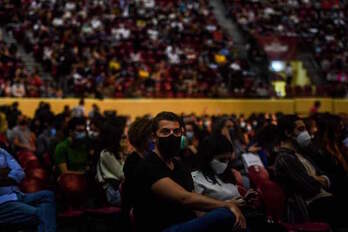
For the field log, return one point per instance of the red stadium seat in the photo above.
(308, 227)
(72, 193)
(32, 164)
(38, 173)
(257, 175)
(47, 161)
(31, 185)
(22, 154)
(25, 159)
(274, 200)
(73, 188)
(72, 184)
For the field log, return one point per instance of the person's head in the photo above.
(22, 121)
(330, 129)
(224, 126)
(268, 139)
(111, 136)
(312, 127)
(15, 105)
(167, 129)
(192, 132)
(293, 130)
(82, 102)
(214, 156)
(317, 104)
(94, 128)
(139, 134)
(66, 110)
(41, 104)
(95, 107)
(77, 129)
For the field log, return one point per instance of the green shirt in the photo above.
(76, 158)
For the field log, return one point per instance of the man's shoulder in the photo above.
(284, 155)
(15, 129)
(4, 152)
(150, 165)
(63, 144)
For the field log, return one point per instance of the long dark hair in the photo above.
(111, 136)
(211, 147)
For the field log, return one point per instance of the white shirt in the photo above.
(109, 167)
(220, 191)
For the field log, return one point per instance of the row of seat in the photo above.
(73, 189)
(274, 200)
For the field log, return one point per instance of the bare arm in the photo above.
(63, 167)
(19, 144)
(168, 189)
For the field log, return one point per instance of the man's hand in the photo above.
(254, 148)
(322, 180)
(239, 201)
(240, 219)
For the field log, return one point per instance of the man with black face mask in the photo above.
(165, 201)
(71, 155)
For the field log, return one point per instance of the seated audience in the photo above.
(17, 208)
(110, 164)
(167, 201)
(71, 155)
(301, 179)
(23, 138)
(139, 135)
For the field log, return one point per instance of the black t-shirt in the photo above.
(129, 185)
(151, 212)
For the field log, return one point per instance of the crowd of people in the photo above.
(155, 48)
(132, 48)
(319, 24)
(176, 173)
(15, 79)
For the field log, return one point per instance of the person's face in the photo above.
(189, 128)
(168, 138)
(79, 132)
(167, 128)
(229, 124)
(226, 129)
(225, 157)
(299, 127)
(313, 128)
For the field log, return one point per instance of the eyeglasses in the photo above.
(165, 132)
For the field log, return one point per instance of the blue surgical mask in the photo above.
(53, 132)
(80, 135)
(303, 139)
(151, 146)
(93, 134)
(189, 135)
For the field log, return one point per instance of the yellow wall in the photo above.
(136, 107)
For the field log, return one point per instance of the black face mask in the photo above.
(169, 146)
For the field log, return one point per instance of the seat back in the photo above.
(73, 189)
(32, 185)
(257, 175)
(274, 199)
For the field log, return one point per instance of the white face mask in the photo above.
(218, 166)
(303, 139)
